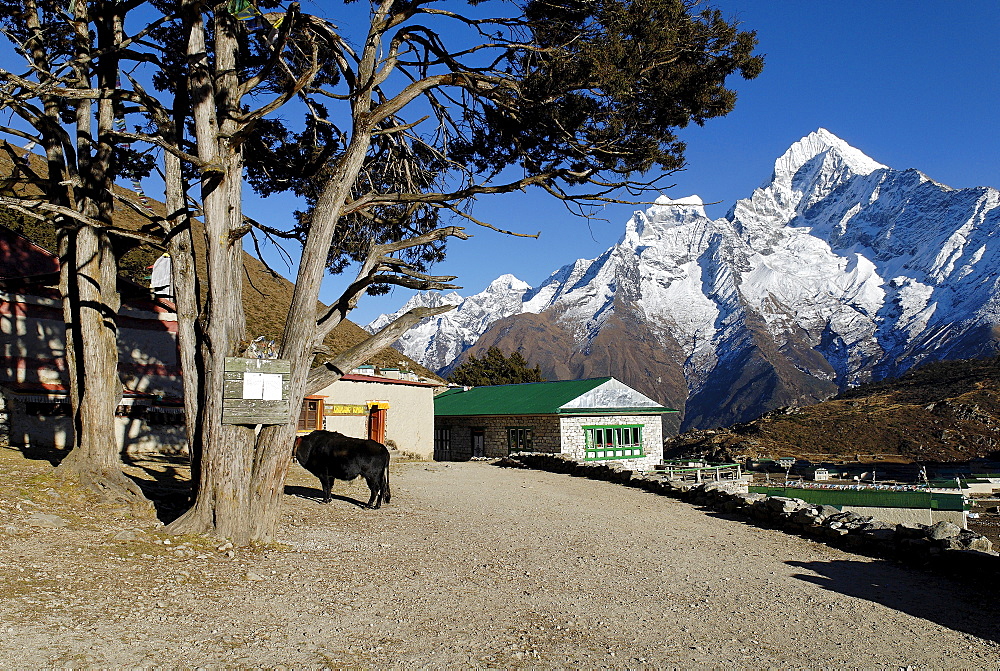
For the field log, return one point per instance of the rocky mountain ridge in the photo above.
(836, 271)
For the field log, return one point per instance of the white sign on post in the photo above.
(262, 386)
(272, 387)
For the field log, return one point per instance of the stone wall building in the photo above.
(595, 420)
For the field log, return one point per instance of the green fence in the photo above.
(868, 498)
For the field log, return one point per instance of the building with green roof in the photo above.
(600, 419)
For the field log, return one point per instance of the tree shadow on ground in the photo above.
(938, 599)
(316, 494)
(164, 480)
(53, 455)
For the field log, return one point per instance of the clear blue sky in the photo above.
(913, 85)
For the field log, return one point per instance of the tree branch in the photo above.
(31, 207)
(333, 370)
(372, 272)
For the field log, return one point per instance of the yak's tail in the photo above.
(387, 494)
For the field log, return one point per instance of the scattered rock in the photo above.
(943, 530)
(45, 520)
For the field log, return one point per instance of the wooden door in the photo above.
(376, 424)
(479, 442)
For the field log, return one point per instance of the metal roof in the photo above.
(873, 498)
(533, 398)
(355, 377)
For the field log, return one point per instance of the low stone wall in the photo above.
(943, 546)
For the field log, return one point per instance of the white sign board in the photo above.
(262, 386)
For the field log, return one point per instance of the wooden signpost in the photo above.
(256, 391)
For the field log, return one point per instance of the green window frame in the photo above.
(613, 441)
(520, 439)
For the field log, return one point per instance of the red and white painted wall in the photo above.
(33, 375)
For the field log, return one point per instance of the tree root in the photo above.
(204, 520)
(109, 484)
(191, 522)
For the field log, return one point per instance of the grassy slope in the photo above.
(947, 411)
(266, 296)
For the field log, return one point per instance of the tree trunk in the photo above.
(274, 444)
(222, 505)
(90, 300)
(187, 296)
(89, 282)
(242, 481)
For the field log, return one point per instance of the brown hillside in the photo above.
(266, 295)
(625, 349)
(946, 411)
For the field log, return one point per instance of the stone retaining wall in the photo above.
(943, 546)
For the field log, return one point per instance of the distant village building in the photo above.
(595, 420)
(821, 474)
(34, 398)
(386, 405)
(892, 505)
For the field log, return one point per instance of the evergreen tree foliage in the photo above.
(495, 368)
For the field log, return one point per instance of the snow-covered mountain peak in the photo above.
(678, 210)
(422, 299)
(817, 143)
(836, 271)
(807, 173)
(507, 283)
(438, 340)
(692, 200)
(645, 227)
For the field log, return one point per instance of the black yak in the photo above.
(330, 455)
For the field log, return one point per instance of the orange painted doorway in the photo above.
(376, 424)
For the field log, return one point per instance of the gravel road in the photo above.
(471, 565)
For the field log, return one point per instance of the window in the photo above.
(311, 416)
(131, 410)
(47, 408)
(442, 442)
(613, 442)
(519, 439)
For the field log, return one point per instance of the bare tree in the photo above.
(404, 125)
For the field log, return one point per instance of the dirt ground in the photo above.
(470, 565)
